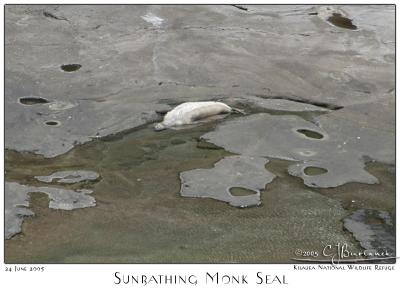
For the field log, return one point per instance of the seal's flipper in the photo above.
(236, 110)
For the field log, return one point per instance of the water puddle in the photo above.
(32, 100)
(138, 202)
(52, 123)
(310, 133)
(312, 171)
(341, 21)
(70, 67)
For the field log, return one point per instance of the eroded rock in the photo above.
(235, 171)
(17, 202)
(16, 205)
(340, 171)
(337, 145)
(63, 199)
(69, 176)
(148, 53)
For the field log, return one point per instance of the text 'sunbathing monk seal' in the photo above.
(192, 112)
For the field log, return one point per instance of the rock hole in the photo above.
(32, 100)
(310, 133)
(72, 177)
(70, 67)
(52, 123)
(312, 171)
(340, 21)
(240, 191)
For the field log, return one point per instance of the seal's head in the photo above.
(159, 127)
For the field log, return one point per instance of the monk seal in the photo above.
(192, 112)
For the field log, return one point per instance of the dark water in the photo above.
(341, 21)
(70, 67)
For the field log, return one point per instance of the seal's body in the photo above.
(192, 112)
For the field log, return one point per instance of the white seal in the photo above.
(192, 112)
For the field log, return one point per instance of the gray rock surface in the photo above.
(16, 205)
(368, 129)
(135, 59)
(69, 176)
(64, 199)
(276, 104)
(235, 171)
(340, 171)
(374, 230)
(339, 144)
(265, 135)
(17, 197)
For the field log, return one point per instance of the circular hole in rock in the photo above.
(312, 171)
(310, 133)
(240, 191)
(32, 100)
(70, 67)
(52, 123)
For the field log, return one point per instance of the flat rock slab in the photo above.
(69, 176)
(374, 230)
(16, 205)
(334, 172)
(338, 146)
(132, 57)
(265, 135)
(17, 198)
(368, 129)
(63, 199)
(235, 171)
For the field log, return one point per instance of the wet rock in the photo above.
(266, 135)
(339, 171)
(336, 145)
(374, 229)
(77, 122)
(368, 129)
(202, 144)
(69, 176)
(235, 171)
(277, 104)
(16, 205)
(63, 199)
(17, 202)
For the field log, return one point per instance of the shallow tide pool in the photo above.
(141, 217)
